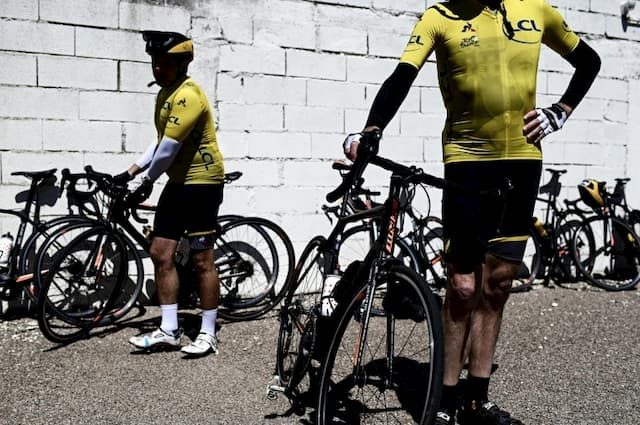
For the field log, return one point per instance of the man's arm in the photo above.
(391, 95)
(543, 121)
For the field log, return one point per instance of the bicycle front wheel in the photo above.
(385, 362)
(607, 253)
(82, 285)
(297, 333)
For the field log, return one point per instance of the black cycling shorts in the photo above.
(477, 225)
(190, 208)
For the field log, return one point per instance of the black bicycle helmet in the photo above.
(170, 43)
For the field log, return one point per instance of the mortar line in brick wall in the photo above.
(392, 12)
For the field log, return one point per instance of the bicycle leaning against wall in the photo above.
(96, 278)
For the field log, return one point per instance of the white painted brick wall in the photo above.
(103, 13)
(287, 79)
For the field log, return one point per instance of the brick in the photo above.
(407, 6)
(21, 9)
(311, 174)
(607, 88)
(238, 58)
(250, 117)
(302, 227)
(110, 44)
(428, 75)
(574, 4)
(614, 29)
(112, 106)
(611, 8)
(329, 145)
(316, 65)
(585, 22)
(287, 200)
(285, 34)
(17, 161)
(83, 12)
(205, 29)
(58, 71)
(279, 145)
(431, 102)
(28, 102)
(113, 163)
(551, 61)
(369, 70)
(337, 94)
(25, 36)
(18, 69)
(307, 118)
(389, 45)
(256, 173)
(233, 144)
(403, 148)
(137, 16)
(342, 39)
(415, 124)
(137, 137)
(364, 19)
(82, 136)
(21, 134)
(261, 89)
(285, 10)
(134, 77)
(616, 111)
(237, 29)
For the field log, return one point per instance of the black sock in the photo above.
(449, 402)
(476, 389)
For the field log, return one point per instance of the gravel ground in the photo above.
(565, 357)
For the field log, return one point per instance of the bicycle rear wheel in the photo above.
(384, 367)
(530, 268)
(255, 261)
(298, 319)
(82, 286)
(612, 262)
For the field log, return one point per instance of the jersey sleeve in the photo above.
(422, 40)
(185, 113)
(557, 34)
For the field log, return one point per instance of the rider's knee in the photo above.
(462, 287)
(500, 274)
(160, 256)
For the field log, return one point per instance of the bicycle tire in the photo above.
(431, 248)
(133, 283)
(255, 260)
(596, 263)
(74, 298)
(29, 252)
(530, 268)
(335, 403)
(296, 317)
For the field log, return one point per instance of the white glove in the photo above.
(549, 120)
(349, 141)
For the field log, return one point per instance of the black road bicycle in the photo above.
(97, 277)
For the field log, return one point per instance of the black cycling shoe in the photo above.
(486, 413)
(443, 417)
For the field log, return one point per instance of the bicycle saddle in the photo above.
(36, 174)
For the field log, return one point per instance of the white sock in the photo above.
(169, 323)
(209, 321)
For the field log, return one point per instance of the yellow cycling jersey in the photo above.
(183, 114)
(487, 80)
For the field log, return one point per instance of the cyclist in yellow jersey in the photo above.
(487, 54)
(187, 150)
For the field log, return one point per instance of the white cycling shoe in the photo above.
(203, 344)
(157, 338)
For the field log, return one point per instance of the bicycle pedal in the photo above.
(274, 387)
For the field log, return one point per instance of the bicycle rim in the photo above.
(255, 261)
(596, 255)
(394, 385)
(83, 282)
(296, 337)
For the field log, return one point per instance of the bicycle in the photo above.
(421, 246)
(548, 252)
(16, 274)
(85, 287)
(613, 262)
(315, 311)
